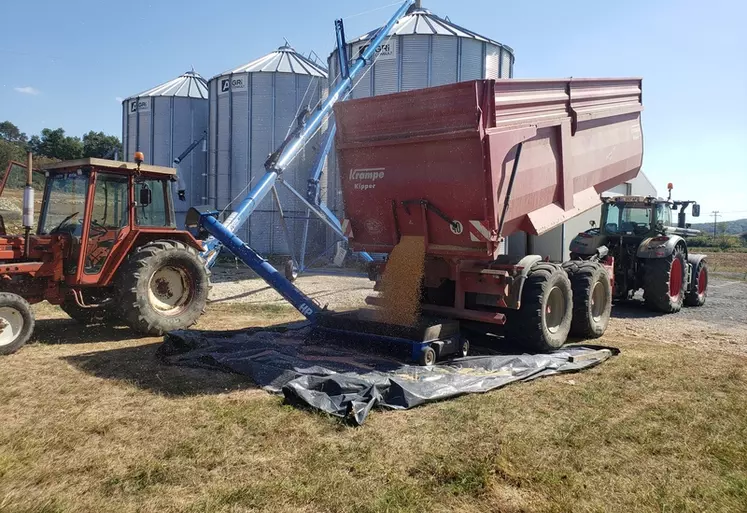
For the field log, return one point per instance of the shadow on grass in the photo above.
(68, 331)
(140, 366)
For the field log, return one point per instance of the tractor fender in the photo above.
(513, 300)
(137, 238)
(660, 246)
(586, 243)
(693, 259)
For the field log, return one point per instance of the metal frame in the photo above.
(224, 234)
(295, 143)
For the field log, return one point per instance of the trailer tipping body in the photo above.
(438, 162)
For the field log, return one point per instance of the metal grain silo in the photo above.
(252, 110)
(423, 50)
(162, 123)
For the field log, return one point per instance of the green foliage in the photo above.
(100, 145)
(10, 151)
(725, 242)
(55, 144)
(11, 133)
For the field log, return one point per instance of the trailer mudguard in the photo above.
(513, 300)
(660, 246)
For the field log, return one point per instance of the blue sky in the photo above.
(69, 66)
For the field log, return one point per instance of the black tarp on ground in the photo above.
(348, 383)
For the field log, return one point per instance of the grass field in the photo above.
(725, 262)
(101, 426)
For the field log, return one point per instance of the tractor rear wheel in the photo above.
(543, 321)
(696, 296)
(162, 286)
(592, 298)
(664, 282)
(16, 322)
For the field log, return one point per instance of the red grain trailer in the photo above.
(466, 165)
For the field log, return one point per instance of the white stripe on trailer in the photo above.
(479, 229)
(474, 238)
(347, 229)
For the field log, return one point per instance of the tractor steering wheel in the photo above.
(98, 229)
(62, 223)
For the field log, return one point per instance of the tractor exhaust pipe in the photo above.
(28, 201)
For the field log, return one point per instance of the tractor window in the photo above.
(65, 204)
(627, 220)
(109, 216)
(664, 214)
(158, 213)
(110, 201)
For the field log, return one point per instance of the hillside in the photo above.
(737, 227)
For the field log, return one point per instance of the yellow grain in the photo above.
(401, 283)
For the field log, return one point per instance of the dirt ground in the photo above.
(91, 421)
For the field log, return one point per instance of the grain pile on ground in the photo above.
(400, 287)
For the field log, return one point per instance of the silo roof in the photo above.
(188, 85)
(283, 60)
(419, 20)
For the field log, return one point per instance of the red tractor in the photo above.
(105, 248)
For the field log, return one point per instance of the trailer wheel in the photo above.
(664, 282)
(592, 299)
(162, 286)
(696, 296)
(16, 322)
(427, 356)
(543, 321)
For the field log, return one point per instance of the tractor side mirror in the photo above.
(146, 196)
(592, 223)
(696, 210)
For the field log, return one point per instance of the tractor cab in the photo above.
(84, 211)
(641, 217)
(634, 216)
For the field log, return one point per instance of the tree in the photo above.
(744, 239)
(11, 133)
(8, 152)
(55, 144)
(100, 145)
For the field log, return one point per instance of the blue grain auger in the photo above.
(223, 234)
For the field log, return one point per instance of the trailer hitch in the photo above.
(456, 226)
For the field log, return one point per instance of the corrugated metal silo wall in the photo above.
(250, 117)
(162, 128)
(414, 62)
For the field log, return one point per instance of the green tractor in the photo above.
(648, 252)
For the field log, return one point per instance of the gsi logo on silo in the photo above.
(232, 84)
(139, 106)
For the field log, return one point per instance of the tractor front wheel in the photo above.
(543, 321)
(16, 322)
(664, 282)
(163, 286)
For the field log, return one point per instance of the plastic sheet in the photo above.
(347, 382)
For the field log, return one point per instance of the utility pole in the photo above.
(716, 214)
